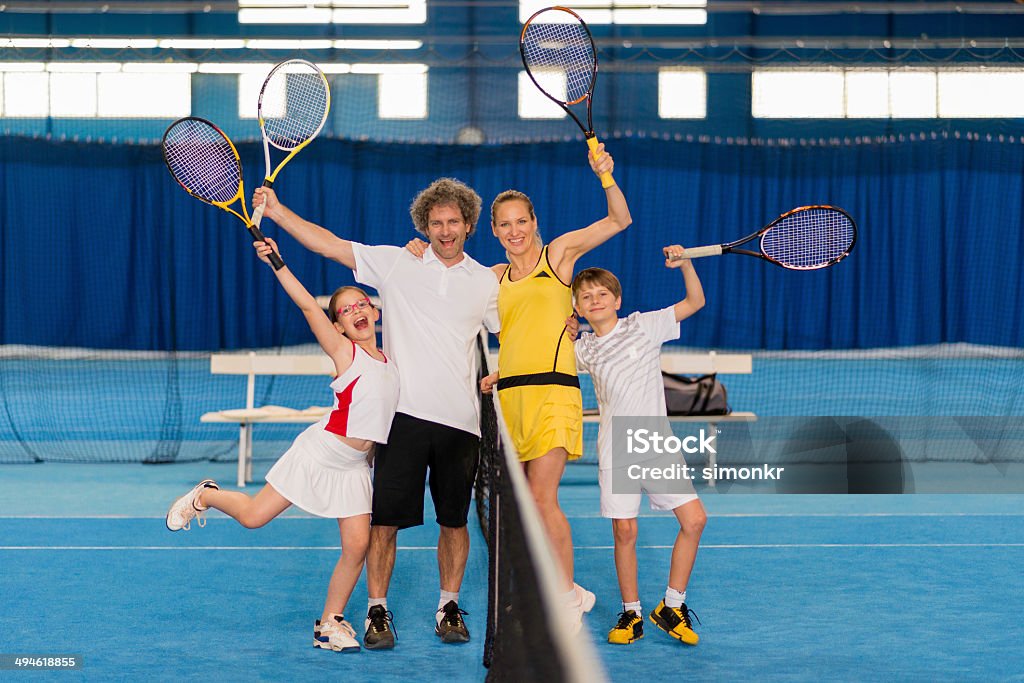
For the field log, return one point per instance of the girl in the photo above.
(326, 470)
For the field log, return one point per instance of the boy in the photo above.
(624, 361)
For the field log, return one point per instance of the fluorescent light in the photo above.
(335, 68)
(378, 44)
(83, 67)
(267, 44)
(159, 67)
(35, 42)
(675, 12)
(115, 43)
(22, 66)
(211, 43)
(389, 68)
(284, 16)
(234, 68)
(202, 44)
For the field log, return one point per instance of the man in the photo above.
(434, 309)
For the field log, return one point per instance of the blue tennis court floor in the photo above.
(912, 587)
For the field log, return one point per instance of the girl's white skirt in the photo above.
(323, 476)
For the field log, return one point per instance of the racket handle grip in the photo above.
(275, 258)
(700, 252)
(606, 178)
(257, 213)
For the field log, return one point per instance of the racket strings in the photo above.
(293, 107)
(809, 239)
(202, 160)
(562, 49)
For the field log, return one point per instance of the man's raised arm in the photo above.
(310, 235)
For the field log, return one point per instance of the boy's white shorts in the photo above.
(627, 505)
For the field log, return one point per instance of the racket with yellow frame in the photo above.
(206, 164)
(293, 106)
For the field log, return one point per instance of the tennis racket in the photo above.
(806, 238)
(293, 107)
(556, 47)
(204, 162)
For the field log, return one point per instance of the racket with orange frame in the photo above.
(559, 55)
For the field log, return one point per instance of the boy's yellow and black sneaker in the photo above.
(629, 628)
(675, 621)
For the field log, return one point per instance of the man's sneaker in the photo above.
(630, 628)
(335, 634)
(451, 628)
(187, 508)
(675, 621)
(380, 633)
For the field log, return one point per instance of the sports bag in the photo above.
(703, 395)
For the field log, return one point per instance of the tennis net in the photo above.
(525, 639)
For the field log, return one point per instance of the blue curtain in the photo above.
(101, 249)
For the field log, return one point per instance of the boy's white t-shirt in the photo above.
(625, 365)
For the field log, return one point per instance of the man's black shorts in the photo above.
(400, 471)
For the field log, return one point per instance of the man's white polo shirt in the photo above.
(432, 316)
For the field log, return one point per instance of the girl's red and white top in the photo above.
(365, 398)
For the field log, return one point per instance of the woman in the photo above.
(538, 387)
(325, 472)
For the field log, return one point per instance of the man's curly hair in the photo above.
(446, 191)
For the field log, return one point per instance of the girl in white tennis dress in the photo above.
(325, 472)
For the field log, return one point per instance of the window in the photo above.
(882, 93)
(401, 88)
(332, 12)
(981, 94)
(96, 89)
(682, 94)
(797, 94)
(533, 104)
(26, 94)
(677, 12)
(139, 95)
(402, 95)
(73, 95)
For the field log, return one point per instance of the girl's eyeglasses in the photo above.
(348, 310)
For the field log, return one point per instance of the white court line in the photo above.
(218, 516)
(667, 515)
(741, 515)
(722, 546)
(195, 547)
(743, 546)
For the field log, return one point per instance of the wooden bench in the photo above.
(251, 365)
(688, 363)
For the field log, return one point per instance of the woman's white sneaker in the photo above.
(187, 508)
(335, 634)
